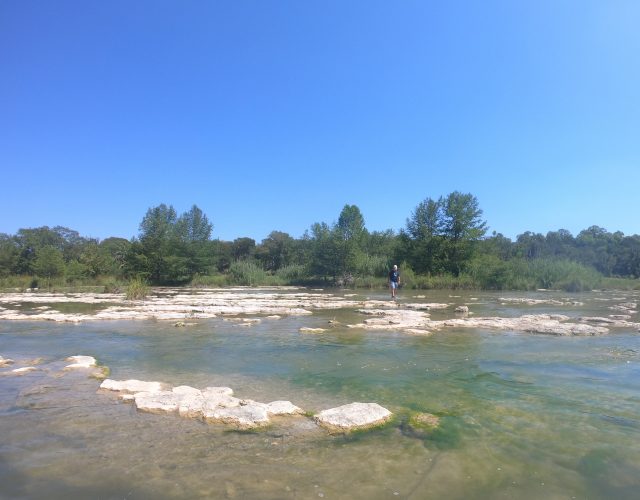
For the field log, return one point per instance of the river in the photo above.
(522, 415)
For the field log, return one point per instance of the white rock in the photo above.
(131, 385)
(81, 362)
(157, 402)
(191, 405)
(246, 416)
(283, 408)
(222, 391)
(22, 371)
(353, 416)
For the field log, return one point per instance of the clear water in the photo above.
(522, 416)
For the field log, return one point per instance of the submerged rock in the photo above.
(424, 421)
(182, 324)
(353, 416)
(421, 425)
(305, 329)
(5, 361)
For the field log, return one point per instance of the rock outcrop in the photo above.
(212, 404)
(419, 323)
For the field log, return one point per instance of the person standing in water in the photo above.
(394, 281)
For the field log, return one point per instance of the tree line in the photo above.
(444, 243)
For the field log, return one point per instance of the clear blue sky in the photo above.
(272, 115)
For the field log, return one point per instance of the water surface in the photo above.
(522, 416)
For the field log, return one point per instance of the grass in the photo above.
(137, 289)
(620, 284)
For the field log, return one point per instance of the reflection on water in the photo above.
(522, 416)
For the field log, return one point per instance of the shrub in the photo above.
(246, 272)
(214, 280)
(293, 273)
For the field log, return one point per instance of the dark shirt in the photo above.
(394, 276)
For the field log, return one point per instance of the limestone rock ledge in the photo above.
(419, 323)
(219, 405)
(212, 404)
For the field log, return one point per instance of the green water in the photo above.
(522, 416)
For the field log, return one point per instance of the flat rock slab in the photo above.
(212, 404)
(131, 385)
(353, 416)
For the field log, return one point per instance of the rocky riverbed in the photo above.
(247, 306)
(211, 404)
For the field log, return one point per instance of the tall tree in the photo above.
(462, 227)
(424, 236)
(276, 250)
(194, 226)
(349, 234)
(9, 254)
(156, 232)
(49, 263)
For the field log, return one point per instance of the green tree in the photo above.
(462, 227)
(157, 237)
(30, 241)
(424, 237)
(323, 251)
(243, 248)
(349, 235)
(193, 226)
(276, 250)
(9, 255)
(113, 252)
(49, 263)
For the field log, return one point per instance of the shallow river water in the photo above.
(522, 415)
